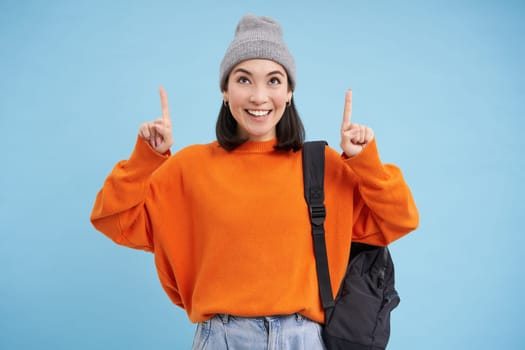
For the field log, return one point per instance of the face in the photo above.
(257, 93)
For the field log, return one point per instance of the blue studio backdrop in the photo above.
(440, 82)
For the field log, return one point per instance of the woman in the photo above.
(227, 221)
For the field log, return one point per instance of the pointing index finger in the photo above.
(347, 113)
(164, 104)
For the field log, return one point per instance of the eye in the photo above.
(243, 80)
(274, 81)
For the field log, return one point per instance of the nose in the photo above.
(258, 96)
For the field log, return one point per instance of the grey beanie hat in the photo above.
(257, 37)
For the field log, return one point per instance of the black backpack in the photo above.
(359, 317)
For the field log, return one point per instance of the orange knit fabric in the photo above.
(230, 230)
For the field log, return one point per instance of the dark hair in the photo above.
(289, 130)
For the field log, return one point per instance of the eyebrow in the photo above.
(242, 70)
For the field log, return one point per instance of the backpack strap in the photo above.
(313, 174)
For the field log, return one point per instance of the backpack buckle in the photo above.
(317, 214)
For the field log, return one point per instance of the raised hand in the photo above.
(158, 133)
(354, 137)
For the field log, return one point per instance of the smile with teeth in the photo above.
(258, 113)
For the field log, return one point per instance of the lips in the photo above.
(258, 113)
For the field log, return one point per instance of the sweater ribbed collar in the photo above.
(257, 146)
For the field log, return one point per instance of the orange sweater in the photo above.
(230, 230)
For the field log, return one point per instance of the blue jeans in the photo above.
(291, 332)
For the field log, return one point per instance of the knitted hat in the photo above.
(257, 37)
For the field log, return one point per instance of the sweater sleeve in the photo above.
(119, 211)
(384, 209)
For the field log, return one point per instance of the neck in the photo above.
(257, 146)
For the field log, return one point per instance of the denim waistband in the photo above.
(225, 318)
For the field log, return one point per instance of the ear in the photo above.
(225, 96)
(289, 96)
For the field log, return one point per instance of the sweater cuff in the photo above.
(367, 162)
(144, 158)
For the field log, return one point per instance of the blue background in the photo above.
(440, 82)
